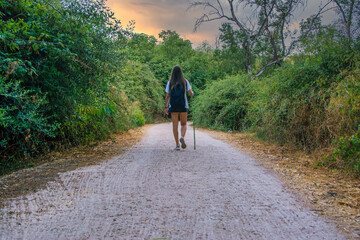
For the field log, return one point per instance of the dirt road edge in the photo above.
(327, 192)
(31, 180)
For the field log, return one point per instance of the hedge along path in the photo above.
(153, 192)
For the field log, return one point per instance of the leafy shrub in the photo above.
(293, 102)
(343, 109)
(344, 121)
(137, 116)
(312, 102)
(224, 103)
(289, 105)
(61, 69)
(348, 151)
(138, 82)
(22, 120)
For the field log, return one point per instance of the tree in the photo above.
(141, 47)
(350, 15)
(232, 52)
(174, 47)
(56, 75)
(268, 22)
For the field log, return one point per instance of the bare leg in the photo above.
(183, 120)
(175, 124)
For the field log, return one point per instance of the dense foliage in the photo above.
(224, 103)
(71, 74)
(65, 79)
(312, 101)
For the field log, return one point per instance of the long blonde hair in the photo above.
(177, 78)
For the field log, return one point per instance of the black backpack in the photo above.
(177, 98)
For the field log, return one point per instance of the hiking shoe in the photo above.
(177, 148)
(183, 144)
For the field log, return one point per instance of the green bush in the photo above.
(312, 102)
(65, 78)
(138, 82)
(348, 152)
(289, 105)
(343, 122)
(137, 116)
(224, 103)
(22, 120)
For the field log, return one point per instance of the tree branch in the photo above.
(347, 21)
(205, 18)
(268, 65)
(214, 13)
(265, 22)
(289, 50)
(234, 18)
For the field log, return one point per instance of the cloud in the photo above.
(144, 4)
(153, 16)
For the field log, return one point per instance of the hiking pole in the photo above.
(194, 135)
(192, 97)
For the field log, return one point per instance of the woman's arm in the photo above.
(191, 93)
(167, 97)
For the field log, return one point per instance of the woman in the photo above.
(177, 104)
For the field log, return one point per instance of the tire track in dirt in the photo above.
(151, 191)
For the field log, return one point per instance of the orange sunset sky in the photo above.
(153, 16)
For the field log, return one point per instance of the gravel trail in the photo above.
(154, 192)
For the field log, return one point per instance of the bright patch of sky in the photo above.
(153, 16)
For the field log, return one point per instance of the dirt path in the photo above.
(152, 192)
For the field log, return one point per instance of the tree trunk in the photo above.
(248, 55)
